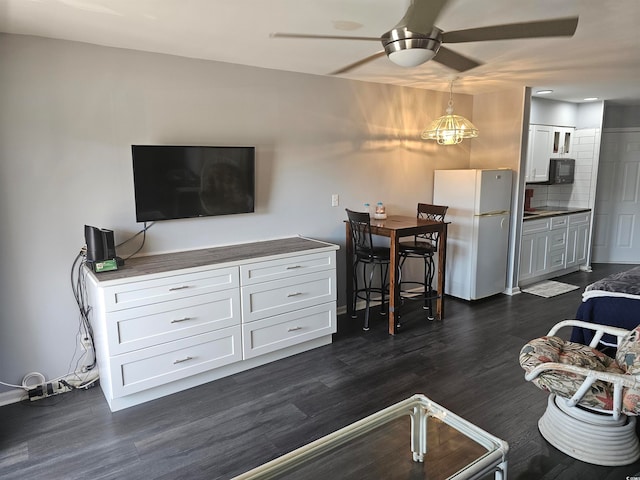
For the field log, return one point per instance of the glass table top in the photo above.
(413, 439)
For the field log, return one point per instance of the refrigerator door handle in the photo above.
(492, 214)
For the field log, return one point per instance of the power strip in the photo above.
(47, 390)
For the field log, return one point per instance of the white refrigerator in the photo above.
(479, 204)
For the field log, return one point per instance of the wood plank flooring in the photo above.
(467, 363)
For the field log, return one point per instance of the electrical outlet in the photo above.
(335, 200)
(86, 343)
(49, 389)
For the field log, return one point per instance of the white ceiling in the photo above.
(601, 60)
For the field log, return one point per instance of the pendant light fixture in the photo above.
(450, 129)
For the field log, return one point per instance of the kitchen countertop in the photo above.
(541, 212)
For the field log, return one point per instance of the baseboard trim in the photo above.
(14, 396)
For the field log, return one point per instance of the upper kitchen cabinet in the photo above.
(546, 142)
(562, 137)
(540, 144)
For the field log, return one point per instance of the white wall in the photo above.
(69, 113)
(553, 112)
(501, 118)
(585, 145)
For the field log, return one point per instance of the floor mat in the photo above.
(549, 288)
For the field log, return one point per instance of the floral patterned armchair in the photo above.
(592, 396)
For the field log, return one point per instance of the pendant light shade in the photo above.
(450, 129)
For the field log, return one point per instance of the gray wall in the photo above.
(69, 113)
(617, 115)
(553, 112)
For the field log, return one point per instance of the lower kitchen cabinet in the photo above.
(534, 248)
(578, 239)
(553, 246)
(164, 323)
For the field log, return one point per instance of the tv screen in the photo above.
(192, 181)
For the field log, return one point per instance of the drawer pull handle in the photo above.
(178, 320)
(186, 359)
(293, 329)
(294, 294)
(292, 267)
(173, 289)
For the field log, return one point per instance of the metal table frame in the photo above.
(419, 408)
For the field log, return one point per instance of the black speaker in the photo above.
(100, 244)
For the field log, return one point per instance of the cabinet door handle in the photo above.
(185, 359)
(294, 294)
(293, 329)
(292, 267)
(178, 320)
(173, 289)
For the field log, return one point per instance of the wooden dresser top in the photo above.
(214, 256)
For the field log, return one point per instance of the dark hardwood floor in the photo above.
(467, 363)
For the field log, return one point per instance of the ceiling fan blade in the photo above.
(321, 37)
(421, 15)
(559, 27)
(454, 60)
(368, 59)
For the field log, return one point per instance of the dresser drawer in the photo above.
(281, 331)
(150, 367)
(579, 218)
(281, 296)
(535, 226)
(556, 260)
(559, 222)
(286, 267)
(557, 240)
(170, 287)
(142, 327)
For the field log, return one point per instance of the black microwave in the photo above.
(561, 171)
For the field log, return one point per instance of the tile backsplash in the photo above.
(586, 146)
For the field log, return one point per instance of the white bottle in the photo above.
(367, 208)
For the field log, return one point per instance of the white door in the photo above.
(616, 236)
(490, 253)
(494, 192)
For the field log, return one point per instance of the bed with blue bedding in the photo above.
(614, 300)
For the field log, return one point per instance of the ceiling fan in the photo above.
(416, 40)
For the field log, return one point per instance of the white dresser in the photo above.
(164, 323)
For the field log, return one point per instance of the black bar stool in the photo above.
(369, 256)
(423, 246)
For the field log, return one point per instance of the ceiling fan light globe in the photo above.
(409, 51)
(411, 57)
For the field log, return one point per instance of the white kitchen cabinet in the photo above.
(552, 246)
(561, 146)
(578, 239)
(534, 248)
(557, 247)
(546, 142)
(540, 145)
(168, 322)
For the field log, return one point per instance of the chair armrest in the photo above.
(600, 330)
(590, 377)
(615, 378)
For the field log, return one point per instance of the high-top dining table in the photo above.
(396, 227)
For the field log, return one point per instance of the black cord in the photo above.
(142, 232)
(78, 285)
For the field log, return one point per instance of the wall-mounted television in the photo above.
(173, 181)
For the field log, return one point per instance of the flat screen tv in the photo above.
(173, 182)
